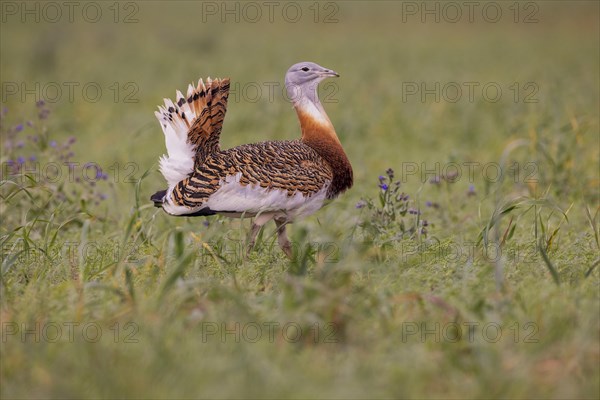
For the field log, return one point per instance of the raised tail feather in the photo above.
(192, 126)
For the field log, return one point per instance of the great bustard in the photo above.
(279, 180)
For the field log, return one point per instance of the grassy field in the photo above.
(468, 270)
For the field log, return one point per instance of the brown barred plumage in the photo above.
(211, 104)
(285, 165)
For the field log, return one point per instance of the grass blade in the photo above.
(548, 263)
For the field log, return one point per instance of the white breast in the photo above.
(253, 199)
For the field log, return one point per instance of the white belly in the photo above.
(235, 200)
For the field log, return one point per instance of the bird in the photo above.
(269, 180)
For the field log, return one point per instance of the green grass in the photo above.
(111, 298)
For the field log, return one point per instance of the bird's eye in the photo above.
(304, 69)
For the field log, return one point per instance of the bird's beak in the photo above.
(329, 73)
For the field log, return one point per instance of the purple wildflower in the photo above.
(361, 204)
(20, 160)
(32, 158)
(19, 128)
(451, 177)
(471, 191)
(20, 144)
(43, 114)
(383, 187)
(52, 143)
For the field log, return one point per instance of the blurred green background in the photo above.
(543, 55)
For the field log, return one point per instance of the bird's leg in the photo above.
(252, 237)
(259, 221)
(282, 238)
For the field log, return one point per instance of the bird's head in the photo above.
(303, 78)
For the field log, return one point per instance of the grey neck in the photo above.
(299, 95)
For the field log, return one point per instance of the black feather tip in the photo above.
(158, 198)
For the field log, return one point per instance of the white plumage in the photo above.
(179, 161)
(253, 199)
